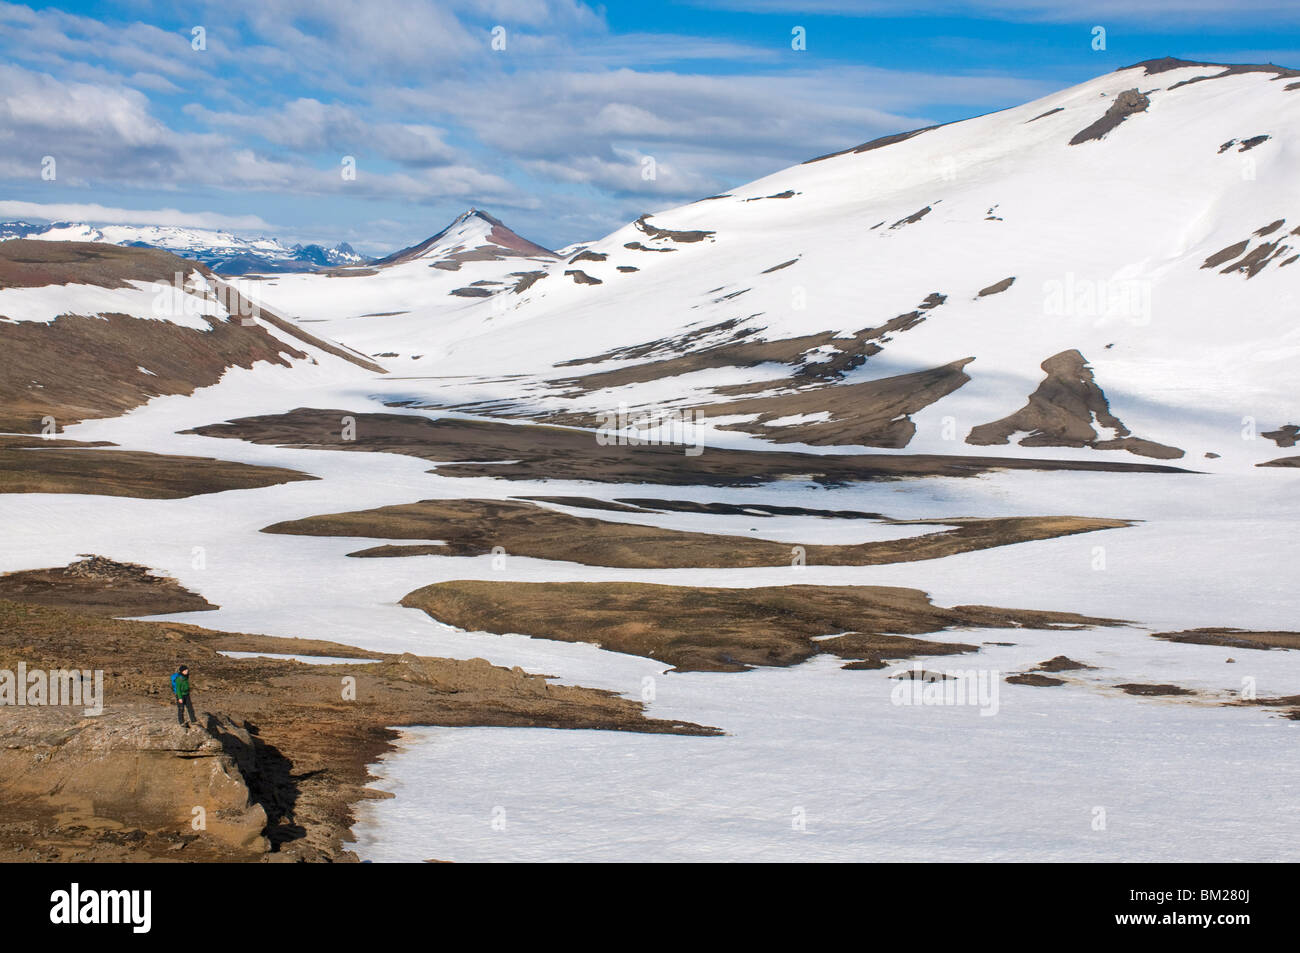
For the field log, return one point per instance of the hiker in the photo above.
(181, 689)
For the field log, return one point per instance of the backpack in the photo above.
(175, 675)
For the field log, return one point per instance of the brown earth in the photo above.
(101, 586)
(1060, 413)
(1281, 462)
(1234, 638)
(1283, 436)
(154, 476)
(530, 452)
(666, 234)
(997, 287)
(1035, 679)
(476, 527)
(722, 630)
(281, 759)
(1138, 688)
(874, 413)
(1127, 103)
(1060, 663)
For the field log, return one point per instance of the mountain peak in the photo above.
(472, 235)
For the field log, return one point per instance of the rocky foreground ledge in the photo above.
(280, 755)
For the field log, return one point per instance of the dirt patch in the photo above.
(997, 287)
(302, 750)
(582, 278)
(1138, 688)
(1060, 663)
(1237, 260)
(153, 476)
(1127, 103)
(477, 527)
(1284, 436)
(913, 218)
(1234, 638)
(720, 630)
(1231, 253)
(870, 413)
(1034, 678)
(1061, 412)
(101, 586)
(666, 234)
(1281, 462)
(1237, 69)
(529, 452)
(874, 144)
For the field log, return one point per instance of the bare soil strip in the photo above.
(725, 630)
(476, 527)
(479, 448)
(1234, 638)
(152, 476)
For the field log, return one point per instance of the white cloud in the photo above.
(106, 215)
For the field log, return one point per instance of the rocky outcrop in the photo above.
(1065, 411)
(133, 769)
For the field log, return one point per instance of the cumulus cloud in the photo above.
(107, 215)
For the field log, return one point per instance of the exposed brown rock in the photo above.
(1127, 103)
(721, 630)
(477, 527)
(666, 234)
(1060, 413)
(1284, 436)
(997, 287)
(1234, 638)
(869, 413)
(135, 473)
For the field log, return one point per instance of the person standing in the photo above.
(181, 689)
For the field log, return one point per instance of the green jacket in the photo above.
(181, 686)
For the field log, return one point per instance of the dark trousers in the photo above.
(181, 707)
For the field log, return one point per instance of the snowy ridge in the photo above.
(223, 252)
(1152, 232)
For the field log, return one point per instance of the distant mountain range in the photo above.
(224, 253)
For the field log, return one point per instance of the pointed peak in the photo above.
(473, 233)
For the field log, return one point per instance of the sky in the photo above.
(377, 122)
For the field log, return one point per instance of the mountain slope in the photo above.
(1145, 220)
(93, 330)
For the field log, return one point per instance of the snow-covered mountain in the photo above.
(224, 253)
(472, 260)
(1107, 271)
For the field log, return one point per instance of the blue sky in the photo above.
(549, 133)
